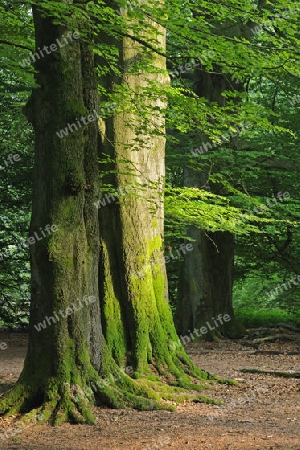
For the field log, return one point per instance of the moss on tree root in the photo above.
(159, 374)
(60, 400)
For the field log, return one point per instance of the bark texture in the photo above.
(137, 320)
(65, 354)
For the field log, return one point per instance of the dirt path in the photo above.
(261, 413)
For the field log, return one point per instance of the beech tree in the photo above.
(206, 281)
(137, 319)
(68, 354)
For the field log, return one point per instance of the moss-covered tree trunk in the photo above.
(64, 352)
(67, 351)
(137, 320)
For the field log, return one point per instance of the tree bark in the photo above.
(137, 319)
(206, 281)
(64, 354)
(67, 350)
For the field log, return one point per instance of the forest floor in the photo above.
(261, 412)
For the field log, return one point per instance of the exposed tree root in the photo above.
(61, 402)
(271, 372)
(281, 337)
(57, 405)
(70, 395)
(289, 326)
(71, 403)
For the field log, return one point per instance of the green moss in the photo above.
(75, 107)
(68, 214)
(207, 400)
(57, 394)
(154, 223)
(229, 382)
(114, 333)
(151, 327)
(152, 378)
(74, 181)
(153, 245)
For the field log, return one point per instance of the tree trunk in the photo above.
(137, 319)
(66, 347)
(205, 289)
(65, 327)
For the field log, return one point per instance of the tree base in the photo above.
(59, 402)
(59, 399)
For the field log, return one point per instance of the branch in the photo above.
(143, 42)
(282, 252)
(15, 45)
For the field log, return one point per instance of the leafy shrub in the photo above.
(14, 312)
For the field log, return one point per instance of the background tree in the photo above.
(205, 285)
(218, 174)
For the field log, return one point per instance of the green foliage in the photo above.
(16, 162)
(267, 288)
(255, 46)
(192, 206)
(14, 309)
(266, 317)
